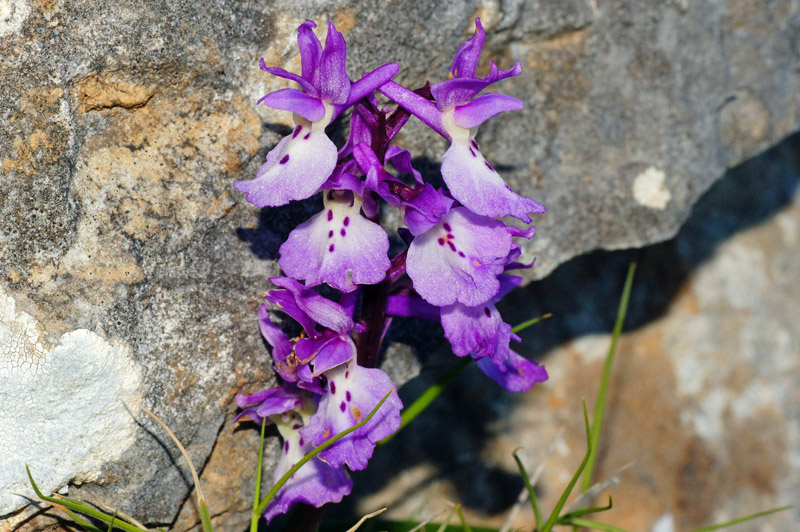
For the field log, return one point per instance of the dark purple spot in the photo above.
(487, 312)
(346, 221)
(452, 246)
(348, 396)
(333, 387)
(475, 145)
(473, 152)
(297, 131)
(307, 135)
(286, 446)
(330, 248)
(489, 166)
(342, 406)
(330, 233)
(447, 227)
(285, 159)
(302, 442)
(343, 232)
(330, 215)
(297, 426)
(346, 374)
(461, 254)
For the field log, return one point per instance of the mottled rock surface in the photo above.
(122, 126)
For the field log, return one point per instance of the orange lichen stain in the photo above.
(345, 20)
(36, 151)
(96, 93)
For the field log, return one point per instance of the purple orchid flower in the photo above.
(337, 246)
(317, 482)
(301, 162)
(352, 392)
(456, 255)
(456, 114)
(517, 374)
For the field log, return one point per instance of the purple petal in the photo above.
(310, 50)
(401, 159)
(519, 374)
(411, 307)
(458, 91)
(321, 310)
(459, 259)
(333, 83)
(507, 284)
(476, 184)
(477, 331)
(281, 345)
(466, 60)
(281, 73)
(337, 246)
(426, 210)
(326, 352)
(353, 392)
(371, 82)
(270, 402)
(316, 483)
(415, 104)
(296, 101)
(482, 108)
(295, 169)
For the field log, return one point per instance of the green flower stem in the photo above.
(312, 454)
(600, 403)
(594, 525)
(259, 468)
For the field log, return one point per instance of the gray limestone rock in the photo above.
(122, 126)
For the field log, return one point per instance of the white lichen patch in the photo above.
(649, 189)
(12, 15)
(61, 406)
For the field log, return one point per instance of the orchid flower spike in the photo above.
(456, 115)
(301, 162)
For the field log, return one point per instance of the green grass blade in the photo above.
(446, 523)
(80, 521)
(429, 396)
(205, 517)
(464, 526)
(587, 511)
(600, 403)
(82, 507)
(111, 523)
(314, 452)
(537, 511)
(551, 521)
(742, 519)
(255, 517)
(592, 525)
(525, 324)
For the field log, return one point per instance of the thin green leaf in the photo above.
(464, 526)
(525, 324)
(111, 523)
(205, 516)
(743, 519)
(591, 524)
(574, 480)
(80, 521)
(255, 517)
(446, 523)
(422, 402)
(587, 511)
(314, 452)
(82, 507)
(600, 403)
(537, 511)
